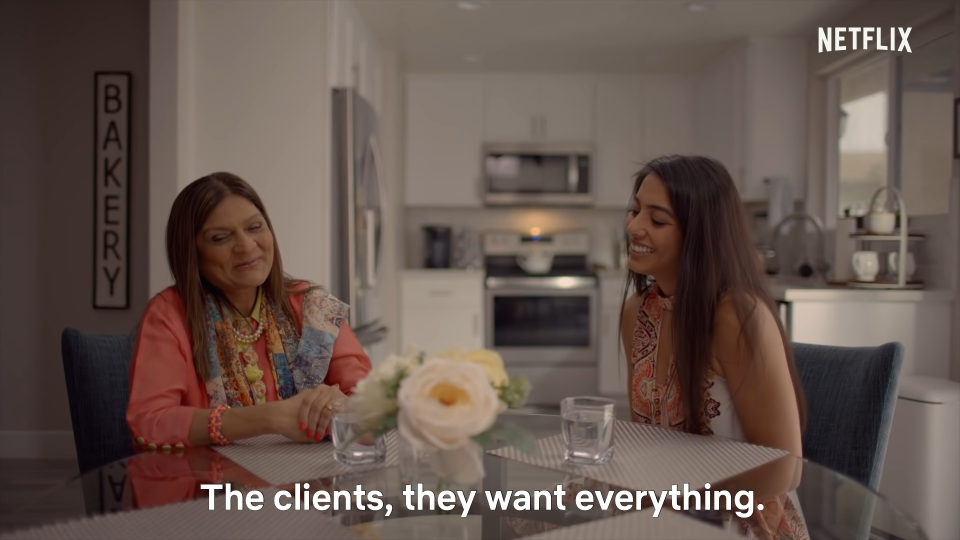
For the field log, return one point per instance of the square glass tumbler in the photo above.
(352, 445)
(588, 429)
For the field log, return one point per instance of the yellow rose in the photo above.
(490, 361)
(492, 364)
(453, 353)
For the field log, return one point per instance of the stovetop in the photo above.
(563, 265)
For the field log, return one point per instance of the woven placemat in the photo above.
(651, 458)
(194, 519)
(278, 460)
(634, 525)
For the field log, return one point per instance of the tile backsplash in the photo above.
(603, 225)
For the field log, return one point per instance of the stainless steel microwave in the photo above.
(537, 175)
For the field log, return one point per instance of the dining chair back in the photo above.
(851, 394)
(96, 368)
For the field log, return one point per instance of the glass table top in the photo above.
(833, 506)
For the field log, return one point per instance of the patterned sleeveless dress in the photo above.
(661, 405)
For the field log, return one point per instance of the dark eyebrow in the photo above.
(656, 207)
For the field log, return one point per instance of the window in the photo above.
(862, 131)
(891, 125)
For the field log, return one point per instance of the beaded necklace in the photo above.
(245, 341)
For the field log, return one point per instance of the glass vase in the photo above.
(458, 469)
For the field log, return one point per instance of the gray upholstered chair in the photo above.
(96, 368)
(851, 395)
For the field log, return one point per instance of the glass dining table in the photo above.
(833, 506)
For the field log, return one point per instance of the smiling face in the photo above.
(235, 247)
(654, 233)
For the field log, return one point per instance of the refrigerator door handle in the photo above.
(370, 266)
(381, 194)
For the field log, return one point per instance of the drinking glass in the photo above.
(588, 429)
(352, 445)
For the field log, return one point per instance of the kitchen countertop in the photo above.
(798, 290)
(787, 289)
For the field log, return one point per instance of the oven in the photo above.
(546, 328)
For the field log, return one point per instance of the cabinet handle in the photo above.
(543, 127)
(440, 293)
(476, 325)
(535, 127)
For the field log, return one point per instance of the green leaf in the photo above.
(388, 423)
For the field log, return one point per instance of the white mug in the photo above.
(866, 264)
(894, 268)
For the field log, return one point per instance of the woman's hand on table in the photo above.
(307, 416)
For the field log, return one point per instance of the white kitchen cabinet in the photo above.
(638, 118)
(619, 140)
(668, 116)
(537, 109)
(752, 114)
(440, 309)
(919, 320)
(613, 363)
(444, 135)
(354, 60)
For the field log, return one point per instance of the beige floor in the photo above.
(30, 492)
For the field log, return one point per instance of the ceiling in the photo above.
(583, 35)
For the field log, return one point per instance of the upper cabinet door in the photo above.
(444, 137)
(537, 109)
(512, 111)
(668, 116)
(619, 140)
(566, 109)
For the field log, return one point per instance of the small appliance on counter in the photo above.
(466, 249)
(437, 246)
(542, 310)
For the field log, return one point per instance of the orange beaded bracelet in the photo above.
(213, 426)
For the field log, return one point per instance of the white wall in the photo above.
(246, 85)
(46, 194)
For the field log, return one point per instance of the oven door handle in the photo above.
(542, 283)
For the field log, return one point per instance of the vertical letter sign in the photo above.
(111, 261)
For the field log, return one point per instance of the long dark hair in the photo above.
(717, 259)
(188, 214)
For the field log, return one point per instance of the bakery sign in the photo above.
(111, 165)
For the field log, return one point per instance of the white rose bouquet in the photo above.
(446, 403)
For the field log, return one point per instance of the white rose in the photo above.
(369, 402)
(393, 364)
(444, 403)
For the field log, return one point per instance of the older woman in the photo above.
(236, 349)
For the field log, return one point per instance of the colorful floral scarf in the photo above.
(299, 360)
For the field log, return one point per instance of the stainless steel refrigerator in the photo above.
(357, 214)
